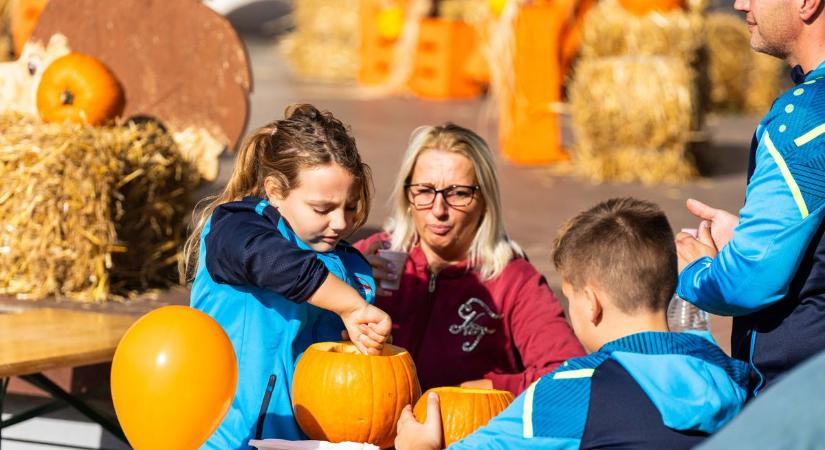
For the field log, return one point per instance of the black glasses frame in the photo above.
(443, 193)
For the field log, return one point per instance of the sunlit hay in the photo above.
(765, 82)
(89, 213)
(632, 118)
(324, 45)
(609, 30)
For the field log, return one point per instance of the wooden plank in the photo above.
(37, 339)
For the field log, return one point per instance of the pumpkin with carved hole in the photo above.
(463, 410)
(78, 88)
(339, 394)
(643, 7)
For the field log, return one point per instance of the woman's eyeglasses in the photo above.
(422, 195)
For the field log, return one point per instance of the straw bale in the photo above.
(609, 30)
(464, 10)
(324, 45)
(5, 34)
(739, 79)
(765, 82)
(729, 54)
(625, 110)
(89, 213)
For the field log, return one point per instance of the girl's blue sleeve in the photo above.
(243, 248)
(782, 212)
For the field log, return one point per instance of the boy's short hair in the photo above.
(624, 246)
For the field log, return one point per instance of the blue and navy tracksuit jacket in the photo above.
(650, 390)
(254, 277)
(771, 275)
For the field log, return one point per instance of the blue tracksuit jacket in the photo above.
(253, 277)
(648, 390)
(771, 275)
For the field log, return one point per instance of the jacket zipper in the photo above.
(753, 364)
(431, 285)
(259, 428)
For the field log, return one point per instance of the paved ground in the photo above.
(535, 202)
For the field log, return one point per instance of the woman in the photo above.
(470, 308)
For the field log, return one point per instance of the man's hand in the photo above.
(690, 249)
(721, 222)
(413, 435)
(368, 328)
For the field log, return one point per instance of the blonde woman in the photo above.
(470, 308)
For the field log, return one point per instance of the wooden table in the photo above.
(34, 340)
(44, 335)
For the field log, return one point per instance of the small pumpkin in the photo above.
(339, 394)
(643, 7)
(79, 88)
(463, 410)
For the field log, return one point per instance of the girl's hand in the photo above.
(382, 269)
(368, 328)
(420, 436)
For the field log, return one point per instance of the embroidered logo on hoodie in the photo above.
(471, 311)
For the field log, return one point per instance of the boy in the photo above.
(642, 387)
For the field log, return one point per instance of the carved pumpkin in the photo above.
(643, 7)
(340, 395)
(463, 410)
(80, 89)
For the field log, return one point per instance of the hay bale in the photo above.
(633, 118)
(727, 46)
(5, 34)
(324, 45)
(89, 213)
(609, 30)
(739, 79)
(765, 83)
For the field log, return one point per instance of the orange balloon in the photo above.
(173, 378)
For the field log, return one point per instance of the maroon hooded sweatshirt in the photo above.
(458, 327)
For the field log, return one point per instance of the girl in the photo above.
(264, 249)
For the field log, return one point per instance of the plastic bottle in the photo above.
(684, 316)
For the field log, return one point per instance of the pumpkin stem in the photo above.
(67, 98)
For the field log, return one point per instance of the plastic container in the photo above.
(684, 316)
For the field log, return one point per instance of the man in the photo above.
(767, 267)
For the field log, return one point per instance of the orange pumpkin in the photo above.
(24, 15)
(463, 410)
(80, 89)
(340, 395)
(643, 7)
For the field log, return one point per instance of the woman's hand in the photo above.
(382, 269)
(413, 435)
(368, 328)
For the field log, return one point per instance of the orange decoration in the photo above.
(463, 410)
(80, 89)
(173, 378)
(444, 48)
(24, 15)
(643, 7)
(341, 395)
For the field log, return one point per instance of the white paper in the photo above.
(282, 444)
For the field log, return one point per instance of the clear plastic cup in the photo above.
(398, 259)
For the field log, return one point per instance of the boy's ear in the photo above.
(809, 10)
(274, 193)
(594, 304)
